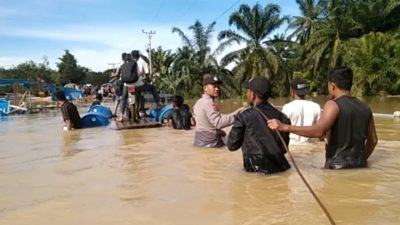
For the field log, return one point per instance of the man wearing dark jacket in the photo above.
(262, 149)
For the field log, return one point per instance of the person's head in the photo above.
(60, 96)
(339, 79)
(298, 87)
(178, 101)
(135, 54)
(123, 56)
(99, 97)
(258, 90)
(211, 85)
(128, 57)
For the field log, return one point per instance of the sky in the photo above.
(96, 32)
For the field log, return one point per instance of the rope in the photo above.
(324, 209)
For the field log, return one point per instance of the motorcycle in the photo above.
(133, 103)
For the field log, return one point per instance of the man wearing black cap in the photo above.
(209, 120)
(300, 111)
(262, 149)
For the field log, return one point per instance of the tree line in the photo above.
(361, 34)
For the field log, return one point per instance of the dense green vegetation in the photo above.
(362, 34)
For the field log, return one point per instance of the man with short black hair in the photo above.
(209, 120)
(300, 111)
(262, 149)
(347, 122)
(69, 111)
(180, 117)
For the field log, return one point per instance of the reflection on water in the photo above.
(156, 176)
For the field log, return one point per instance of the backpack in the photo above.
(129, 72)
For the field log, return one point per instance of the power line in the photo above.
(226, 10)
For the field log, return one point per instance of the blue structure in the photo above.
(92, 119)
(102, 110)
(4, 107)
(70, 93)
(161, 114)
(5, 104)
(7, 82)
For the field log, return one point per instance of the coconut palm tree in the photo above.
(253, 26)
(199, 46)
(375, 60)
(306, 24)
(162, 61)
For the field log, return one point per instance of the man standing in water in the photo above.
(69, 111)
(347, 122)
(209, 120)
(300, 111)
(262, 149)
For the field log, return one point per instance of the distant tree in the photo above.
(29, 70)
(69, 70)
(97, 78)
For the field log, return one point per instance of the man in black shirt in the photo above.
(69, 111)
(181, 117)
(262, 149)
(347, 123)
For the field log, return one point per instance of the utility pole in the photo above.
(149, 34)
(112, 64)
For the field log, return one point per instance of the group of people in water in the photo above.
(346, 124)
(262, 132)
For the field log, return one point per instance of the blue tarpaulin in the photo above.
(7, 82)
(70, 93)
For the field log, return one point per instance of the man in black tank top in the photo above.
(346, 122)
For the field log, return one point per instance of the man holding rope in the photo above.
(262, 148)
(347, 123)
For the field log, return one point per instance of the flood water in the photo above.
(155, 176)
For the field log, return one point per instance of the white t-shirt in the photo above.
(142, 70)
(301, 113)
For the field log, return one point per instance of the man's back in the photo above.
(181, 118)
(301, 113)
(346, 143)
(70, 112)
(262, 149)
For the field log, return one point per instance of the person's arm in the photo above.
(372, 138)
(218, 119)
(323, 125)
(68, 124)
(192, 120)
(236, 135)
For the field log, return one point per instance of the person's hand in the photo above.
(275, 124)
(239, 110)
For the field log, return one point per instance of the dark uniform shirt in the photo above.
(262, 149)
(181, 118)
(70, 112)
(346, 146)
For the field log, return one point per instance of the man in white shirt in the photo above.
(300, 111)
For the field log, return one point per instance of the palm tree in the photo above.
(199, 45)
(162, 62)
(253, 26)
(306, 24)
(374, 59)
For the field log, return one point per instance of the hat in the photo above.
(260, 86)
(211, 79)
(299, 85)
